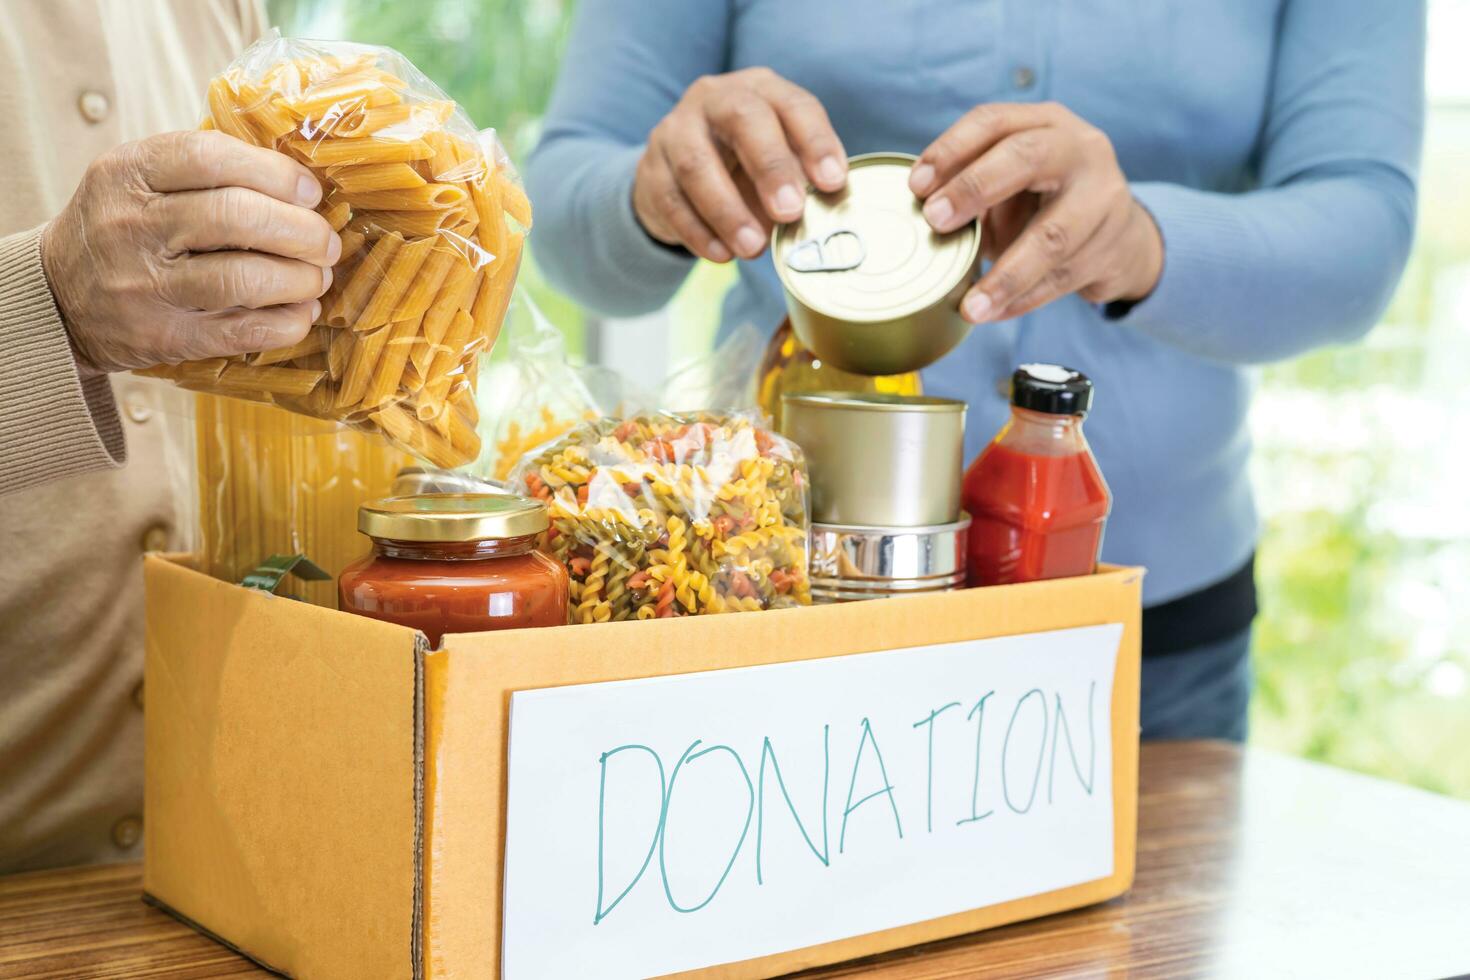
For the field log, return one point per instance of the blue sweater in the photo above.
(1275, 142)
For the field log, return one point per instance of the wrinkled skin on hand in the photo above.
(187, 245)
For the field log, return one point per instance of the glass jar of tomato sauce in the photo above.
(1035, 495)
(455, 563)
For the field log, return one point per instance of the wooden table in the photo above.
(1249, 864)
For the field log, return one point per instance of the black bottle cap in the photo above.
(1051, 388)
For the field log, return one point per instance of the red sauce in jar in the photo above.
(494, 581)
(1036, 498)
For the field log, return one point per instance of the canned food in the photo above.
(879, 460)
(870, 287)
(851, 562)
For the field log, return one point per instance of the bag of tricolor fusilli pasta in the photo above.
(674, 515)
(432, 220)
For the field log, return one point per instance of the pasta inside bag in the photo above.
(535, 393)
(665, 515)
(432, 219)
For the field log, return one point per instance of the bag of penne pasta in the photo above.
(665, 515)
(432, 220)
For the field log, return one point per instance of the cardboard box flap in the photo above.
(246, 743)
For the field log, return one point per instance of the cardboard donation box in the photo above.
(732, 796)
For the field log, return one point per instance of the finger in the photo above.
(208, 158)
(238, 218)
(677, 214)
(215, 281)
(1048, 240)
(1004, 223)
(1078, 271)
(809, 130)
(749, 126)
(1029, 160)
(989, 242)
(232, 332)
(645, 201)
(706, 182)
(751, 197)
(971, 135)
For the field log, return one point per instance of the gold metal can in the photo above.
(879, 460)
(870, 287)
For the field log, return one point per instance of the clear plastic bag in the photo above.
(277, 483)
(668, 515)
(536, 393)
(432, 219)
(723, 380)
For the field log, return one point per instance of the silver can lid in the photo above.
(865, 253)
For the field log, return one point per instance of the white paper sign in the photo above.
(677, 822)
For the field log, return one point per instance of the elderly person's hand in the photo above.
(1057, 214)
(188, 245)
(732, 157)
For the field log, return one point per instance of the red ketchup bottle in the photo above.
(1035, 494)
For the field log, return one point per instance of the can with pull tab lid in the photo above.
(870, 287)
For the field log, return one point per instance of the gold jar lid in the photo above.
(873, 401)
(452, 517)
(865, 253)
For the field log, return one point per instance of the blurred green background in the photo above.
(1362, 462)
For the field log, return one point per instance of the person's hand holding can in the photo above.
(185, 246)
(1056, 211)
(730, 159)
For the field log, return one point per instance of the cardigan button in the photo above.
(137, 407)
(127, 832)
(94, 106)
(155, 538)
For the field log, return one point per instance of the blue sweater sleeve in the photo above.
(1313, 254)
(627, 63)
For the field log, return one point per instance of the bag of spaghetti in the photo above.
(666, 515)
(432, 220)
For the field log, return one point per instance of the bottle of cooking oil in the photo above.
(789, 368)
